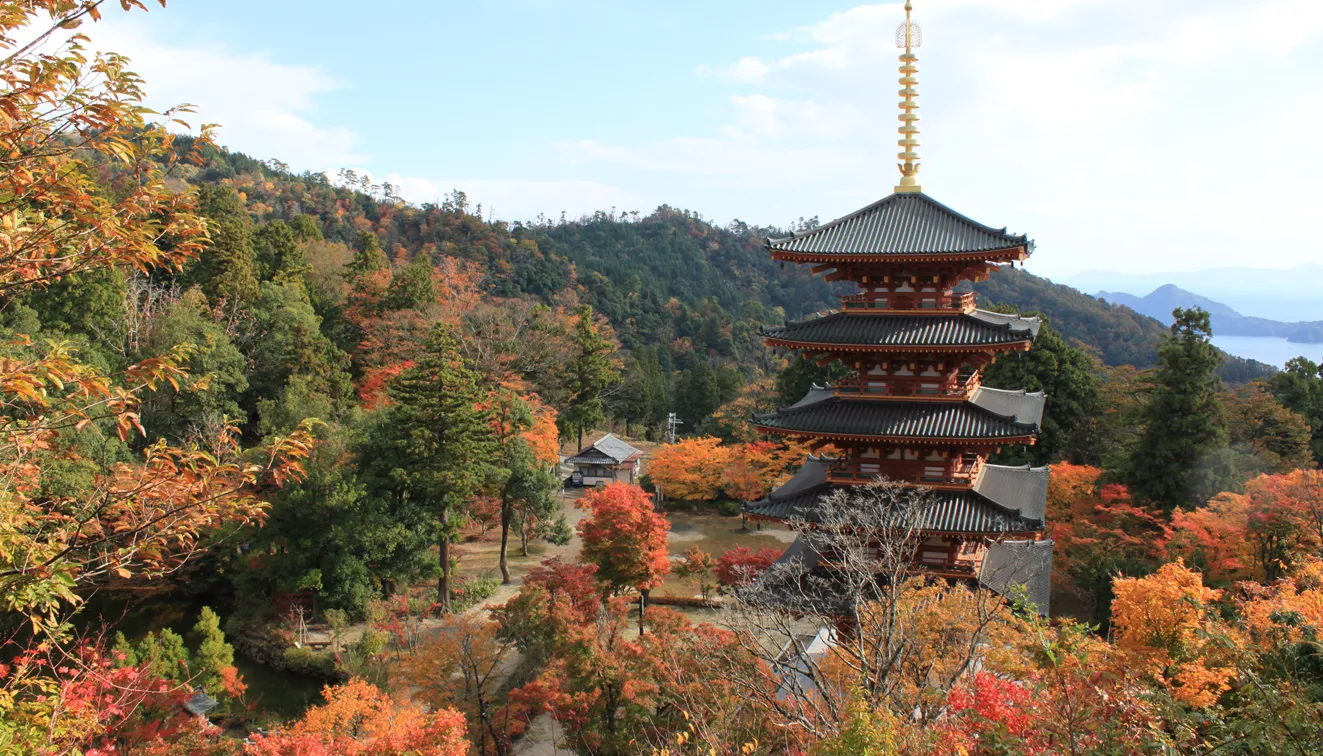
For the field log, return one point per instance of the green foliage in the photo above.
(1180, 460)
(1300, 389)
(213, 654)
(276, 249)
(306, 661)
(227, 271)
(126, 655)
(433, 448)
(590, 372)
(165, 655)
(800, 375)
(1068, 376)
(472, 592)
(217, 373)
(412, 287)
(368, 256)
(296, 371)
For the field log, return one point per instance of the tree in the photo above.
(433, 448)
(529, 492)
(740, 566)
(215, 657)
(1285, 519)
(589, 372)
(1067, 375)
(696, 565)
(755, 468)
(358, 719)
(368, 256)
(1271, 437)
(626, 539)
(1100, 534)
(1300, 389)
(691, 469)
(1163, 625)
(1175, 463)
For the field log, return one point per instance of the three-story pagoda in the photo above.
(914, 409)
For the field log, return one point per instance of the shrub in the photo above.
(740, 566)
(473, 592)
(306, 661)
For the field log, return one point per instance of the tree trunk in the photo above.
(580, 439)
(523, 538)
(507, 514)
(443, 586)
(643, 606)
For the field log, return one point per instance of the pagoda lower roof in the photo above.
(901, 226)
(1003, 500)
(856, 330)
(799, 581)
(990, 415)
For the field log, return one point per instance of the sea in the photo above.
(1268, 350)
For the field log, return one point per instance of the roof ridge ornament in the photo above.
(909, 36)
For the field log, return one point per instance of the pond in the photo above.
(276, 693)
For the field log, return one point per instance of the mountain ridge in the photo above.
(1226, 321)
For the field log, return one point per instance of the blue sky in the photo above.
(1162, 135)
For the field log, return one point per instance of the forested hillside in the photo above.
(1116, 334)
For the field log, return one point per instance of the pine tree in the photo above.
(434, 447)
(213, 655)
(588, 374)
(368, 256)
(1177, 462)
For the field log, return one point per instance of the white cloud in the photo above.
(1120, 135)
(265, 108)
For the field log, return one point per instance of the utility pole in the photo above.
(671, 422)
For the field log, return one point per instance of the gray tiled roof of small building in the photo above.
(612, 447)
(999, 415)
(1020, 567)
(860, 329)
(898, 225)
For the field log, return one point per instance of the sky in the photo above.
(1164, 135)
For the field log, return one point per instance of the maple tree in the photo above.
(740, 566)
(690, 469)
(146, 513)
(1162, 624)
(1285, 519)
(696, 565)
(754, 469)
(626, 539)
(359, 719)
(1100, 533)
(1215, 539)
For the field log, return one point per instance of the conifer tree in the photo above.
(434, 447)
(588, 374)
(368, 256)
(1177, 461)
(213, 655)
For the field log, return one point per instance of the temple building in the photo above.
(914, 409)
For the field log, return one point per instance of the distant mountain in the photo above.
(1286, 295)
(1226, 321)
(1117, 333)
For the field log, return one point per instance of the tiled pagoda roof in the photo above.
(978, 328)
(1003, 500)
(990, 415)
(901, 225)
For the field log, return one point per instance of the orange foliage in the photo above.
(458, 286)
(756, 468)
(690, 469)
(1215, 538)
(1162, 623)
(625, 537)
(358, 719)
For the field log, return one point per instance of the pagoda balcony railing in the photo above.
(929, 473)
(884, 387)
(907, 301)
(955, 559)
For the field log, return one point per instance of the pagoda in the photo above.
(914, 409)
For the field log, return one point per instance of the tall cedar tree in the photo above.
(1186, 420)
(437, 441)
(588, 374)
(626, 538)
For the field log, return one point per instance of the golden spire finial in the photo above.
(909, 36)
